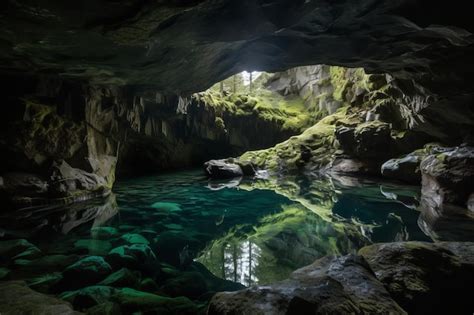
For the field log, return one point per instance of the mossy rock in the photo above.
(86, 271)
(122, 278)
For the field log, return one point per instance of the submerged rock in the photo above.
(331, 285)
(121, 278)
(136, 256)
(134, 238)
(17, 298)
(131, 301)
(86, 271)
(18, 249)
(425, 278)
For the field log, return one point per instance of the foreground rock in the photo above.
(391, 278)
(425, 278)
(447, 195)
(342, 285)
(17, 298)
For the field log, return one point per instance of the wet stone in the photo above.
(86, 271)
(133, 238)
(136, 256)
(121, 278)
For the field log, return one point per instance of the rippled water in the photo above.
(244, 231)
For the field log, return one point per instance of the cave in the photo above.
(236, 157)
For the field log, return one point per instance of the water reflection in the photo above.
(35, 221)
(246, 231)
(322, 216)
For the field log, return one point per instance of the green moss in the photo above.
(287, 112)
(291, 155)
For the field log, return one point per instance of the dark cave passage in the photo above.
(236, 157)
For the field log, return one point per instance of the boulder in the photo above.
(89, 296)
(133, 238)
(86, 271)
(332, 285)
(448, 177)
(447, 194)
(136, 256)
(132, 301)
(222, 169)
(370, 140)
(425, 278)
(121, 278)
(17, 298)
(67, 181)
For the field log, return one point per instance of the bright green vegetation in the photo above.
(287, 112)
(318, 139)
(351, 94)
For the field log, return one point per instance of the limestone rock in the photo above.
(446, 194)
(448, 177)
(17, 298)
(424, 277)
(332, 285)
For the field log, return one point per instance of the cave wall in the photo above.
(67, 139)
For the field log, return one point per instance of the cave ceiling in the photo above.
(184, 46)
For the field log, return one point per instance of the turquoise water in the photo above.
(246, 232)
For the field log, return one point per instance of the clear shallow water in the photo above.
(243, 231)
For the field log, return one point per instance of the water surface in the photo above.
(245, 231)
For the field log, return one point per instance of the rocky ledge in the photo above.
(394, 278)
